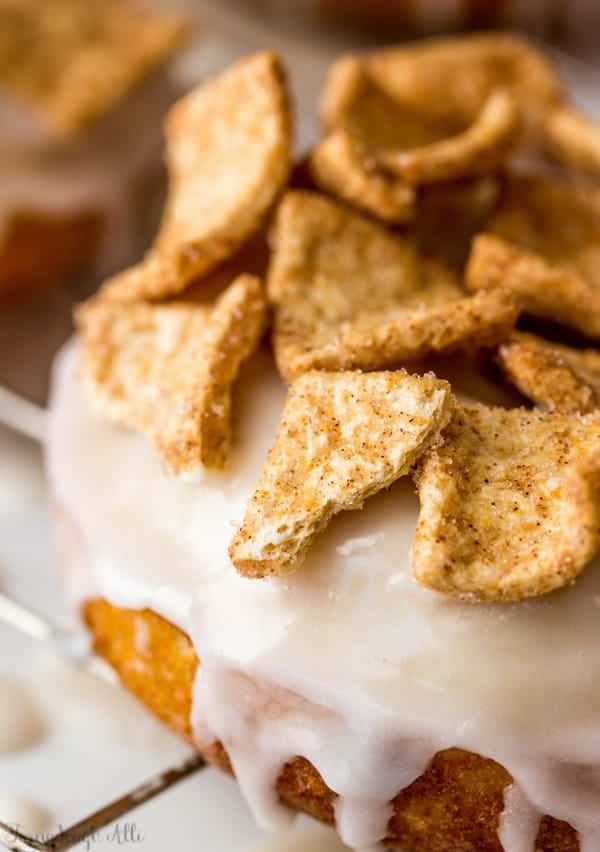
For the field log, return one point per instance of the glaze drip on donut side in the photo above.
(349, 663)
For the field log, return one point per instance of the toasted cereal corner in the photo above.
(342, 438)
(229, 148)
(168, 370)
(509, 504)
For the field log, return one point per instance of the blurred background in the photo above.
(572, 23)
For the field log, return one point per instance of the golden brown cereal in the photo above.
(168, 370)
(479, 148)
(509, 503)
(544, 247)
(555, 377)
(229, 154)
(380, 149)
(354, 101)
(343, 162)
(449, 79)
(341, 165)
(451, 213)
(348, 295)
(442, 109)
(72, 61)
(574, 138)
(343, 438)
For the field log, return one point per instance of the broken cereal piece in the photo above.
(478, 149)
(340, 165)
(450, 214)
(440, 110)
(543, 246)
(348, 295)
(168, 370)
(343, 438)
(229, 156)
(510, 503)
(555, 377)
(449, 79)
(574, 138)
(343, 163)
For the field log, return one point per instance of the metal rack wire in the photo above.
(74, 648)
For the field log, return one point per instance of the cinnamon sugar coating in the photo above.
(555, 377)
(510, 504)
(510, 499)
(477, 149)
(349, 295)
(451, 78)
(342, 165)
(229, 156)
(168, 370)
(438, 110)
(342, 438)
(543, 246)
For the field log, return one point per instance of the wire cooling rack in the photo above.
(74, 648)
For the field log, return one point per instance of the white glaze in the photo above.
(349, 662)
(520, 821)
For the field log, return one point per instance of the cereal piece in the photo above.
(544, 247)
(168, 370)
(362, 163)
(340, 165)
(509, 503)
(451, 213)
(72, 61)
(449, 79)
(348, 295)
(130, 284)
(440, 110)
(555, 377)
(483, 145)
(229, 151)
(343, 438)
(574, 139)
